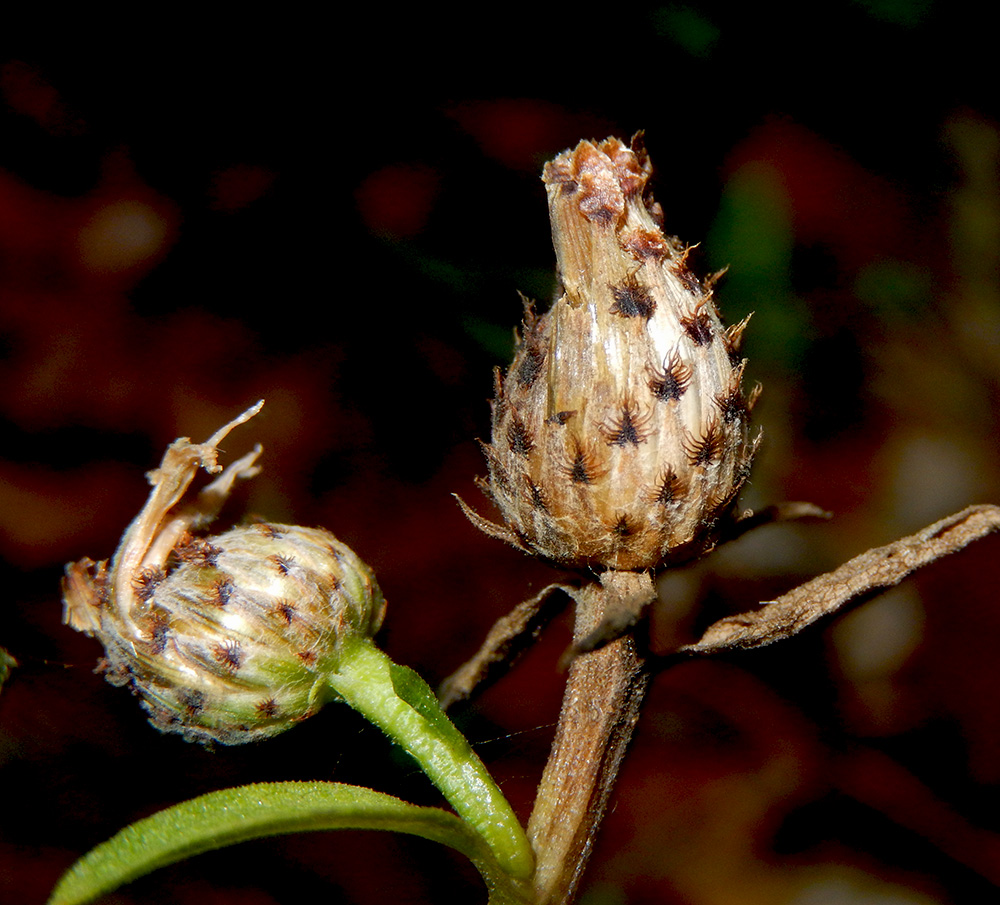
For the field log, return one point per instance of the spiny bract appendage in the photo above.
(620, 431)
(225, 638)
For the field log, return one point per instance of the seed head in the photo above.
(226, 638)
(620, 432)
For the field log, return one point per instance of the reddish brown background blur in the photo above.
(199, 215)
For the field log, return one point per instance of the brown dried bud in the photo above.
(620, 432)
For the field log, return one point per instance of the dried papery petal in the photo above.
(227, 638)
(620, 432)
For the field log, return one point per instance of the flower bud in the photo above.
(226, 638)
(620, 432)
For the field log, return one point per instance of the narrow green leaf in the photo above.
(267, 809)
(411, 687)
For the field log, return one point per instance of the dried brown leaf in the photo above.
(507, 639)
(780, 512)
(870, 572)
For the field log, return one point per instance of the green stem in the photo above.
(402, 705)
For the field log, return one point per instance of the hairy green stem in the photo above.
(397, 701)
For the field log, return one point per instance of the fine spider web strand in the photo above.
(485, 743)
(517, 733)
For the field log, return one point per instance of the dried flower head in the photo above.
(620, 432)
(226, 638)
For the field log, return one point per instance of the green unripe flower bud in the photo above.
(238, 638)
(228, 638)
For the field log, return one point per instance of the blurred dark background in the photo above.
(195, 214)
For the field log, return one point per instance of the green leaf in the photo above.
(402, 705)
(411, 687)
(268, 809)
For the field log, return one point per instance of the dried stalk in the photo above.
(600, 710)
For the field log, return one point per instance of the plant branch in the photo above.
(606, 685)
(401, 704)
(600, 710)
